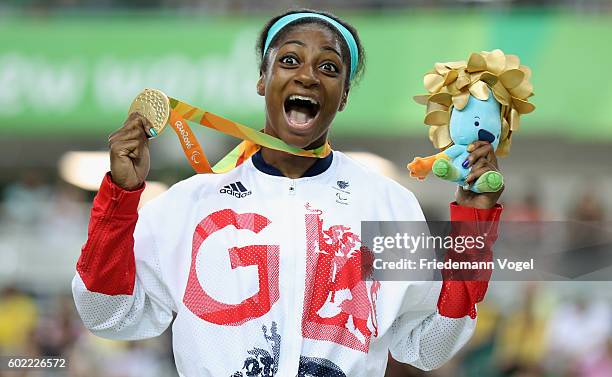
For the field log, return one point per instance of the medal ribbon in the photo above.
(253, 140)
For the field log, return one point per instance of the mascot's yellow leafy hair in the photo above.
(482, 99)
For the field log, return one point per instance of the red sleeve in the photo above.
(459, 297)
(107, 263)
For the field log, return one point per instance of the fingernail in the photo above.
(470, 147)
(465, 163)
(153, 132)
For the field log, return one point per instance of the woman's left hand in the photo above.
(482, 159)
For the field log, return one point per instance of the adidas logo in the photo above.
(235, 189)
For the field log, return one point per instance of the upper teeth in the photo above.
(297, 97)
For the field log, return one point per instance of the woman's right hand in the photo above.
(129, 153)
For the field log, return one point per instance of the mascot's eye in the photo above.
(477, 123)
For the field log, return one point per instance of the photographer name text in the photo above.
(434, 264)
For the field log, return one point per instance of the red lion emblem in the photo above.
(339, 303)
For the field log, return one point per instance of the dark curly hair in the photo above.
(263, 60)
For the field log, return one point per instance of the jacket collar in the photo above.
(321, 165)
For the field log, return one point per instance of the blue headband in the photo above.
(346, 34)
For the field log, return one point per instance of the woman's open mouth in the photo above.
(301, 111)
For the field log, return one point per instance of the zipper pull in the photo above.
(292, 187)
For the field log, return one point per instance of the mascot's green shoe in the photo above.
(443, 168)
(490, 181)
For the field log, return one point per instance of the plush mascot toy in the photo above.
(478, 100)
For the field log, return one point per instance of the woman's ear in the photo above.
(261, 87)
(344, 100)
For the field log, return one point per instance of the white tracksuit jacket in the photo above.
(263, 273)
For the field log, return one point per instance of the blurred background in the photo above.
(70, 68)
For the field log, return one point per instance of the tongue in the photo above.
(299, 116)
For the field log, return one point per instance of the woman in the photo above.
(261, 265)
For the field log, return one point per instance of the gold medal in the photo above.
(154, 105)
(159, 110)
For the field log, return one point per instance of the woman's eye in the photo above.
(289, 60)
(329, 67)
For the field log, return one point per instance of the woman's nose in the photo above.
(306, 76)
